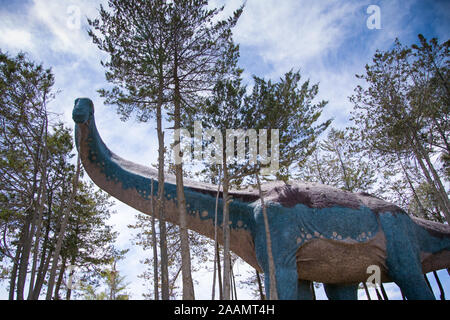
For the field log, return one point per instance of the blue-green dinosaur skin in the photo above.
(290, 227)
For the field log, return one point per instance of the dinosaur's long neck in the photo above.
(131, 184)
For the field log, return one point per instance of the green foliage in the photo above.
(37, 170)
(402, 115)
(141, 60)
(340, 162)
(116, 287)
(287, 105)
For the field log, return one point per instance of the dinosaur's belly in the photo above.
(341, 262)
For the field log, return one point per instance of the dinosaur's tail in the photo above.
(434, 240)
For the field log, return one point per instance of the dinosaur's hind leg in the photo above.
(403, 258)
(407, 274)
(414, 286)
(304, 291)
(341, 292)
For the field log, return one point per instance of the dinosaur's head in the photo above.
(83, 110)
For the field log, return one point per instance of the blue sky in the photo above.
(329, 41)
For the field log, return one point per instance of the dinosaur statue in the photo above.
(318, 233)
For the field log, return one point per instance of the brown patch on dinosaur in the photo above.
(345, 261)
(321, 196)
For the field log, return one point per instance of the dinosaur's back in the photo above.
(316, 195)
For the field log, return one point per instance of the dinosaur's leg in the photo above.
(304, 290)
(288, 285)
(414, 287)
(341, 292)
(287, 282)
(403, 258)
(409, 277)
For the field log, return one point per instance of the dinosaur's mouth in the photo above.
(80, 116)
(82, 110)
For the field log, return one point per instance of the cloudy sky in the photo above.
(329, 41)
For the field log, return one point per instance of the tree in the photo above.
(35, 161)
(62, 230)
(341, 163)
(403, 111)
(221, 111)
(287, 106)
(115, 283)
(282, 105)
(167, 55)
(25, 90)
(196, 46)
(88, 242)
(137, 69)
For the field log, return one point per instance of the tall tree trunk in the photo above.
(226, 234)
(112, 292)
(215, 237)
(219, 273)
(164, 263)
(411, 186)
(154, 246)
(272, 272)
(62, 230)
(188, 286)
(26, 240)
(260, 287)
(233, 283)
(69, 288)
(13, 276)
(435, 184)
(45, 256)
(60, 278)
(32, 216)
(40, 279)
(38, 223)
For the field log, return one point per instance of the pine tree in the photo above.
(116, 287)
(340, 162)
(402, 112)
(168, 55)
(219, 112)
(288, 106)
(25, 90)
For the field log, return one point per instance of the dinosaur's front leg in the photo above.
(287, 282)
(288, 285)
(284, 248)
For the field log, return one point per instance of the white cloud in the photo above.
(293, 30)
(16, 38)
